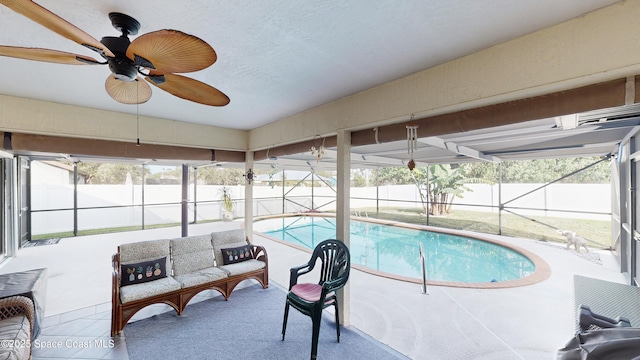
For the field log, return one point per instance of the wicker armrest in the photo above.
(259, 253)
(15, 306)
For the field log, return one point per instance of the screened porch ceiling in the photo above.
(275, 58)
(275, 70)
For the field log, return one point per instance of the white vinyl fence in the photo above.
(119, 205)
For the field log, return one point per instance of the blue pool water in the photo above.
(396, 250)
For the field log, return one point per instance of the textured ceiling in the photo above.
(275, 57)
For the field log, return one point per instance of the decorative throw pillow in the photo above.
(143, 271)
(236, 254)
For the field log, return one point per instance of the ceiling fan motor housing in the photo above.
(121, 66)
(123, 70)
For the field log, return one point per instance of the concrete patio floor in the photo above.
(529, 322)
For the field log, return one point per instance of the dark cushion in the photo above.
(143, 271)
(236, 254)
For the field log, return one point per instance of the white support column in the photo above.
(630, 91)
(248, 197)
(343, 164)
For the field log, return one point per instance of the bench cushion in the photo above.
(144, 271)
(236, 254)
(142, 291)
(226, 239)
(145, 251)
(243, 267)
(200, 277)
(191, 254)
(17, 329)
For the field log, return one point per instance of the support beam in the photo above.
(296, 148)
(114, 149)
(248, 197)
(630, 90)
(75, 200)
(458, 149)
(373, 159)
(597, 96)
(185, 200)
(343, 217)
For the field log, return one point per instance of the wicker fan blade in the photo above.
(171, 51)
(192, 90)
(46, 55)
(128, 92)
(55, 23)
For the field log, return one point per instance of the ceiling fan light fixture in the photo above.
(123, 70)
(128, 92)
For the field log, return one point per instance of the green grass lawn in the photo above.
(105, 230)
(597, 232)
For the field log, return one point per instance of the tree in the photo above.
(445, 183)
(357, 178)
(111, 173)
(395, 176)
(438, 183)
(544, 170)
(212, 175)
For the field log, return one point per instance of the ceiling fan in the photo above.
(158, 56)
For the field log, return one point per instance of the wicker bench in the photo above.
(16, 327)
(173, 271)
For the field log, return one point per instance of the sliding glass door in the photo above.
(8, 225)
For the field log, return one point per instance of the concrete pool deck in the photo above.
(526, 322)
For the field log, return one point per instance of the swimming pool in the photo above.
(395, 250)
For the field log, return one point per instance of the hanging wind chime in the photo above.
(318, 152)
(412, 143)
